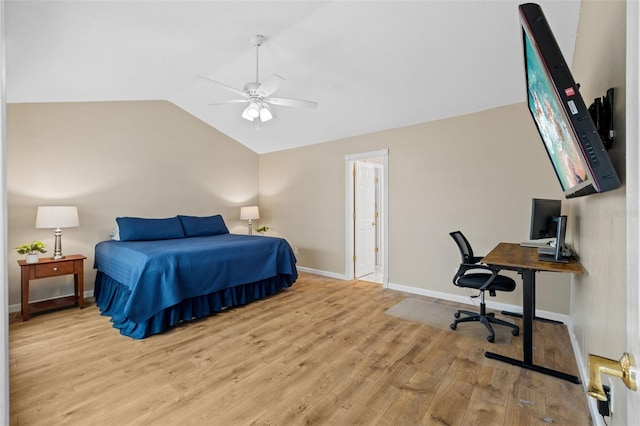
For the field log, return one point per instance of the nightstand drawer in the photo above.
(53, 269)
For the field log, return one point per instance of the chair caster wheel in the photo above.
(515, 332)
(453, 326)
(490, 338)
(457, 315)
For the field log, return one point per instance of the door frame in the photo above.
(632, 183)
(349, 211)
(4, 277)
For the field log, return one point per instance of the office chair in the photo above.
(468, 276)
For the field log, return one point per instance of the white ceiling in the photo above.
(370, 65)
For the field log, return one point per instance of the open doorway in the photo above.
(366, 216)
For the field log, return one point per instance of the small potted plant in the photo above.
(262, 229)
(31, 250)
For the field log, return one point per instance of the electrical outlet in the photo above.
(611, 399)
(604, 407)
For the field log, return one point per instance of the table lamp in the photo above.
(249, 213)
(57, 217)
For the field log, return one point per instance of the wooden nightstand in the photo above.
(49, 267)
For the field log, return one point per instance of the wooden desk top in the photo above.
(513, 255)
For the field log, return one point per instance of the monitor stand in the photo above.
(552, 258)
(559, 253)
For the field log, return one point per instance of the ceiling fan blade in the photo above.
(232, 101)
(270, 85)
(232, 89)
(297, 103)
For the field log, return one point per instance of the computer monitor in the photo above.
(543, 215)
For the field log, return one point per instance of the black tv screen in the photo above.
(570, 137)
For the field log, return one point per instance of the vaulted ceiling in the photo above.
(370, 65)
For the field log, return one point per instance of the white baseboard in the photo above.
(323, 273)
(584, 377)
(447, 296)
(18, 307)
(466, 300)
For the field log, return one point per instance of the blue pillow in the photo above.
(142, 229)
(195, 226)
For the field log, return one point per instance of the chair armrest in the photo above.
(466, 267)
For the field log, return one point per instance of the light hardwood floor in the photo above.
(321, 352)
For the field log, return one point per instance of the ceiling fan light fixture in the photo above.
(265, 113)
(245, 114)
(252, 111)
(258, 94)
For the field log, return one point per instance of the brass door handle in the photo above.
(624, 368)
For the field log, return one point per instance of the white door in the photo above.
(365, 218)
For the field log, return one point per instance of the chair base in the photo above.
(486, 319)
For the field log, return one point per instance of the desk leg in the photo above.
(528, 306)
(533, 297)
(528, 312)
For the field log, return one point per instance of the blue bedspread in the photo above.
(161, 274)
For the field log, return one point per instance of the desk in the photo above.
(49, 267)
(525, 261)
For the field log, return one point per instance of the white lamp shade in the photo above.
(57, 217)
(265, 113)
(245, 114)
(252, 111)
(249, 213)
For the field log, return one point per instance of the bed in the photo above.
(157, 273)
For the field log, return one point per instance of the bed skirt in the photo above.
(111, 297)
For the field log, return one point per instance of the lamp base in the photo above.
(57, 251)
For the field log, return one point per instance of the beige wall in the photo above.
(148, 159)
(476, 173)
(598, 298)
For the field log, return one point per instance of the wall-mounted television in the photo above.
(568, 132)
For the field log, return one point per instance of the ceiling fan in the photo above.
(258, 95)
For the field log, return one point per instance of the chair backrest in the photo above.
(463, 244)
